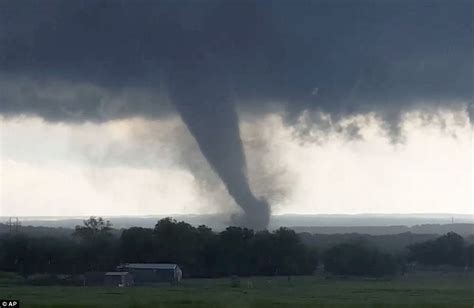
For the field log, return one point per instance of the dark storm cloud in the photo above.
(342, 57)
(337, 57)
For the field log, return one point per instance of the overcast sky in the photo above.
(158, 107)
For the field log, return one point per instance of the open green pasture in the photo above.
(413, 290)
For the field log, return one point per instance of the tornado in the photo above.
(206, 107)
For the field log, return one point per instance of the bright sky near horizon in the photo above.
(142, 167)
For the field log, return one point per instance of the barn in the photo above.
(152, 272)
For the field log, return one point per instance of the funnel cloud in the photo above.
(211, 118)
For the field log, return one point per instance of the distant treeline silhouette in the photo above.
(201, 252)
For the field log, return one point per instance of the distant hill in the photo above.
(369, 220)
(462, 229)
(38, 231)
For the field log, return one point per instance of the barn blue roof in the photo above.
(169, 266)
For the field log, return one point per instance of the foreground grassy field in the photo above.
(413, 290)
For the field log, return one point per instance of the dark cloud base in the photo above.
(339, 57)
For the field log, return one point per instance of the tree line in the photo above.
(449, 249)
(201, 252)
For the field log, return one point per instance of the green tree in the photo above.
(207, 252)
(263, 252)
(97, 249)
(358, 259)
(470, 255)
(93, 228)
(175, 242)
(447, 249)
(136, 245)
(234, 251)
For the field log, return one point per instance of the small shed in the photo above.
(118, 279)
(153, 272)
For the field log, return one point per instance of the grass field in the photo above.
(415, 290)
